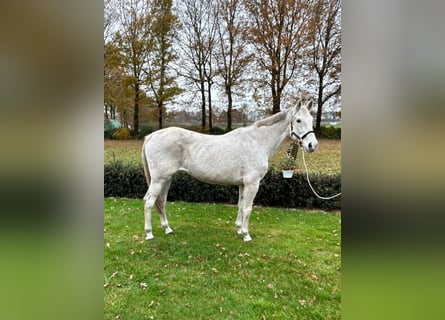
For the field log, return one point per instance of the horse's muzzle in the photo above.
(311, 146)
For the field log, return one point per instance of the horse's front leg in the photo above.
(249, 194)
(239, 218)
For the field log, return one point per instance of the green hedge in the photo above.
(330, 132)
(275, 191)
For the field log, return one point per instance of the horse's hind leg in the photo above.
(160, 206)
(150, 198)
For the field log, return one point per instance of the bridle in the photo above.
(292, 155)
(300, 139)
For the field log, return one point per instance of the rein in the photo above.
(310, 185)
(291, 154)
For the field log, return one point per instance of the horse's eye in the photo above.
(298, 120)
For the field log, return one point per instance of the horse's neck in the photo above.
(272, 136)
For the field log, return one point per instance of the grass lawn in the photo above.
(326, 159)
(291, 269)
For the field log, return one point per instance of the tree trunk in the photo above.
(229, 108)
(136, 111)
(160, 117)
(276, 97)
(320, 106)
(209, 85)
(203, 108)
(276, 93)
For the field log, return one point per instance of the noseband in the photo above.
(296, 135)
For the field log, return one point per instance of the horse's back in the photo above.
(167, 137)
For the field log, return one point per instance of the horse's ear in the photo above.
(298, 105)
(310, 105)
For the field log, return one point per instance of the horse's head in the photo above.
(301, 127)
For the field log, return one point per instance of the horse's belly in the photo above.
(213, 175)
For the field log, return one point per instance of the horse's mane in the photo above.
(272, 119)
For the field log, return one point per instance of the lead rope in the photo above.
(309, 181)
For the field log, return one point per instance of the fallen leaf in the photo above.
(313, 276)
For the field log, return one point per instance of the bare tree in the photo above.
(324, 58)
(197, 44)
(209, 70)
(110, 18)
(233, 56)
(278, 32)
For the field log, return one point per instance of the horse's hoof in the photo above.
(168, 230)
(149, 236)
(238, 231)
(247, 238)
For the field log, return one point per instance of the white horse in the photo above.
(239, 157)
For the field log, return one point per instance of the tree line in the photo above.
(157, 51)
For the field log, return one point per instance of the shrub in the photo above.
(217, 130)
(129, 181)
(108, 133)
(330, 132)
(144, 131)
(124, 180)
(122, 134)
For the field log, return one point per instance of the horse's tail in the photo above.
(145, 163)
